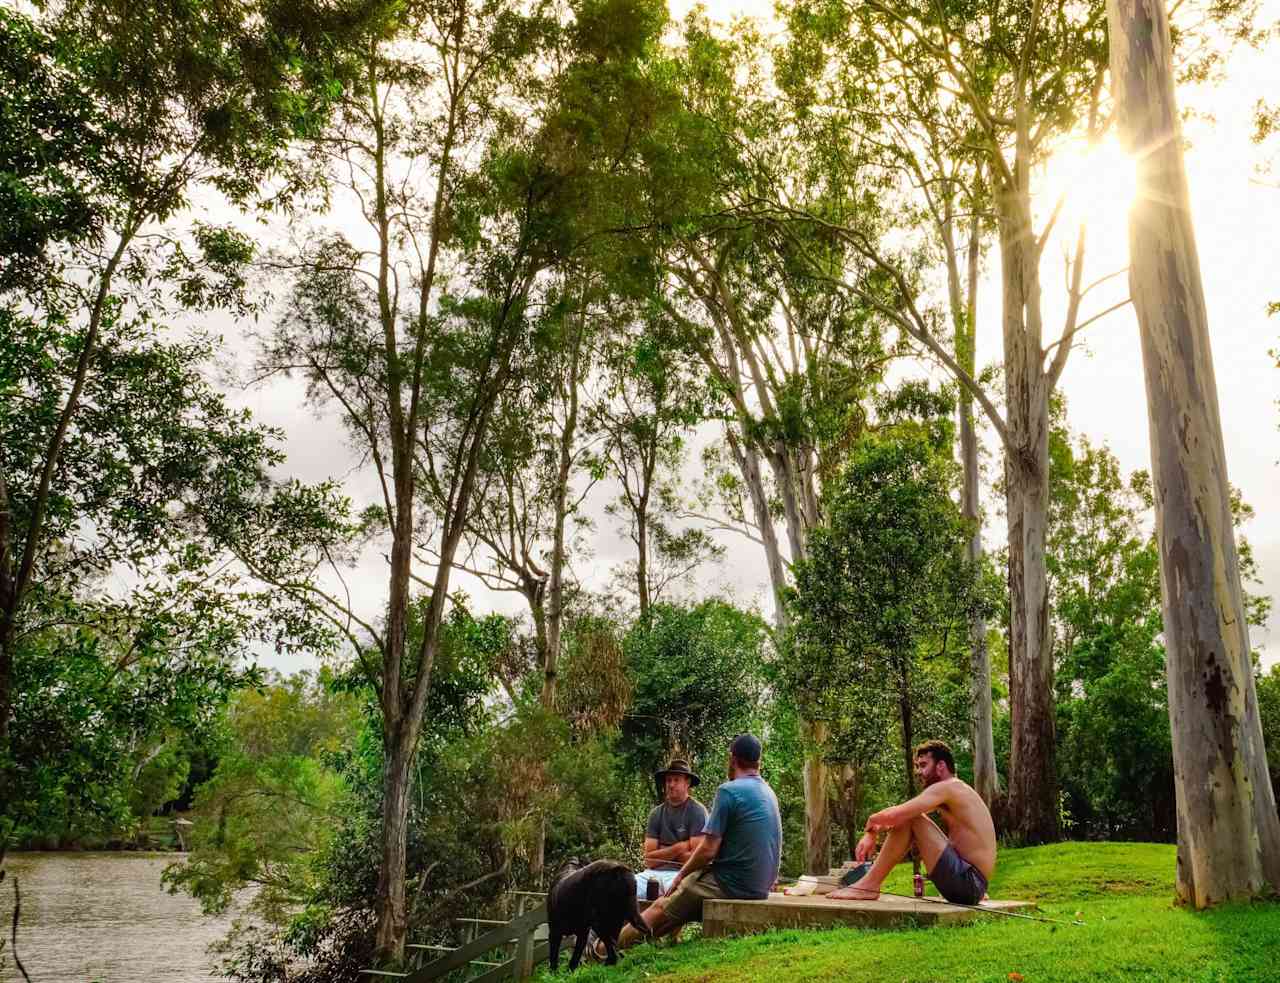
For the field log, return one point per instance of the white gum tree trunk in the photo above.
(1228, 832)
(1032, 803)
(964, 315)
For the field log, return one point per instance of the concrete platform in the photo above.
(720, 918)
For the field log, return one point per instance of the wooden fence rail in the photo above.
(520, 930)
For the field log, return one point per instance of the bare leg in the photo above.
(655, 917)
(922, 833)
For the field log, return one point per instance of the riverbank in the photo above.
(1122, 892)
(159, 836)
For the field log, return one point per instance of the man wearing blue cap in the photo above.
(740, 852)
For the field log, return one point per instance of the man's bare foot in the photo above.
(854, 892)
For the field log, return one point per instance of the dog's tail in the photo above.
(633, 916)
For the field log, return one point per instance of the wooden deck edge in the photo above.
(722, 917)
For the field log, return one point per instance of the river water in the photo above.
(104, 918)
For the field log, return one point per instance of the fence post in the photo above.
(524, 955)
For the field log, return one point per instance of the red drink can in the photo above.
(918, 882)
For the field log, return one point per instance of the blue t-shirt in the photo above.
(745, 816)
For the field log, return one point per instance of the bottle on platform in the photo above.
(918, 883)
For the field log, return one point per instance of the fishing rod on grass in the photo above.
(988, 911)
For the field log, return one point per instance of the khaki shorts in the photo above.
(685, 905)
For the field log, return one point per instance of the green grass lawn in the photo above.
(1123, 892)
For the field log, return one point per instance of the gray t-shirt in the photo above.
(746, 818)
(670, 825)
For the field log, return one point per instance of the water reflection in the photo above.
(103, 917)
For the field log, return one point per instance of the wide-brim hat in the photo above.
(678, 766)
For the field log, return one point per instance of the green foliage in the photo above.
(595, 688)
(698, 674)
(53, 139)
(884, 579)
(1115, 747)
(159, 777)
(155, 450)
(132, 632)
(1113, 720)
(110, 113)
(1268, 685)
(116, 452)
(316, 755)
(109, 707)
(273, 798)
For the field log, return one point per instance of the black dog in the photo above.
(600, 896)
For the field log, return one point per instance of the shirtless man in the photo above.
(960, 863)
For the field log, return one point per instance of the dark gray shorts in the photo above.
(956, 879)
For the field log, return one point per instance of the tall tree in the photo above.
(888, 573)
(120, 114)
(1228, 830)
(791, 353)
(537, 470)
(952, 101)
(650, 404)
(863, 135)
(415, 374)
(415, 338)
(1027, 80)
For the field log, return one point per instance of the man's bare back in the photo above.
(969, 825)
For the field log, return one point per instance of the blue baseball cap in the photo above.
(746, 748)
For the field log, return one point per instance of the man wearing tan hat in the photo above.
(674, 830)
(738, 856)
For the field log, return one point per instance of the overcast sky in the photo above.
(1237, 219)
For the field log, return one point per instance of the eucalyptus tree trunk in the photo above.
(817, 806)
(1032, 803)
(393, 921)
(1228, 832)
(642, 560)
(908, 727)
(534, 590)
(553, 617)
(794, 486)
(748, 461)
(964, 316)
(555, 588)
(848, 804)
